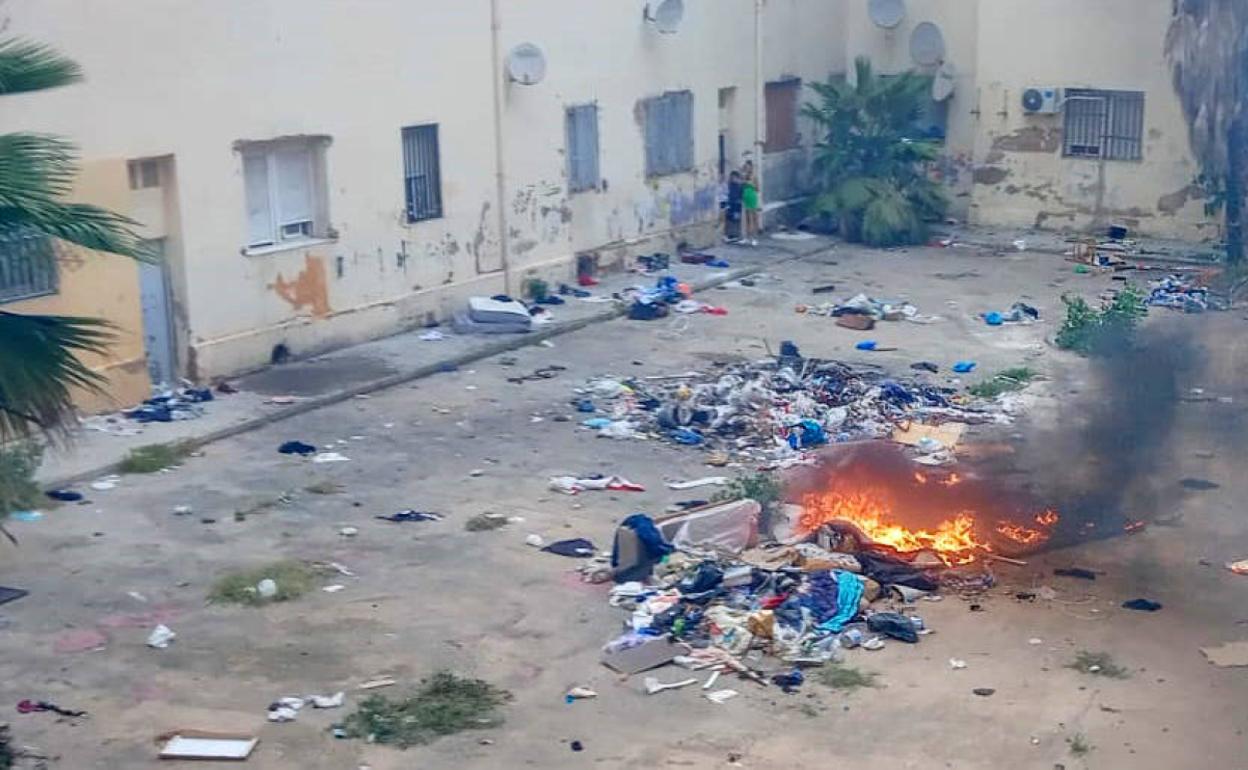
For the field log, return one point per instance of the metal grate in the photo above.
(422, 173)
(582, 138)
(27, 267)
(669, 133)
(1103, 124)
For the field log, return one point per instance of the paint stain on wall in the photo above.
(990, 175)
(1171, 203)
(309, 289)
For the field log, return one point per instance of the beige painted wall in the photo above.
(1004, 167)
(102, 286)
(190, 80)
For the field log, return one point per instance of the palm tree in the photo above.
(1208, 48)
(871, 162)
(39, 364)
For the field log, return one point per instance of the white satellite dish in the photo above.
(943, 82)
(927, 44)
(526, 64)
(886, 13)
(665, 15)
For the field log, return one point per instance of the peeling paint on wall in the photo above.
(1171, 203)
(991, 175)
(1030, 139)
(309, 289)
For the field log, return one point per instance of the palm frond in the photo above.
(42, 369)
(36, 173)
(27, 66)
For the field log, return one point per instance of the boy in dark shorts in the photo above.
(733, 206)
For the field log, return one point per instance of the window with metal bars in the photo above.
(422, 173)
(1103, 124)
(582, 142)
(669, 133)
(27, 267)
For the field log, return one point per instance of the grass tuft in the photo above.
(1079, 745)
(484, 522)
(155, 457)
(840, 677)
(293, 578)
(1098, 664)
(444, 704)
(1007, 381)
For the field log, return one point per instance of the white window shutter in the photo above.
(256, 190)
(293, 166)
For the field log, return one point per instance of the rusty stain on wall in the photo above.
(309, 289)
(1030, 139)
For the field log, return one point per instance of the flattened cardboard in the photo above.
(652, 654)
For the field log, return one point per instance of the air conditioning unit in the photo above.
(1042, 101)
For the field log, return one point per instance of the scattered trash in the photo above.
(579, 693)
(373, 684)
(1075, 572)
(654, 686)
(964, 367)
(893, 624)
(1229, 655)
(267, 588)
(983, 692)
(349, 531)
(706, 481)
(34, 706)
(1144, 605)
(65, 495)
(957, 664)
(1238, 567)
(161, 636)
(198, 744)
(789, 682)
(26, 516)
(432, 335)
(721, 697)
(572, 485)
(577, 548)
(296, 448)
(183, 510)
(105, 484)
(576, 746)
(1179, 293)
(535, 540)
(327, 701)
(330, 457)
(11, 594)
(410, 515)
(1200, 485)
(333, 589)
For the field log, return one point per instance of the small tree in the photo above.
(39, 364)
(870, 164)
(1208, 49)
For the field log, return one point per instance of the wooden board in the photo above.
(192, 744)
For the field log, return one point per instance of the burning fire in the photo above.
(1047, 518)
(1026, 535)
(953, 540)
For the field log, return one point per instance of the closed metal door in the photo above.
(157, 319)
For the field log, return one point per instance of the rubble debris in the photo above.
(774, 410)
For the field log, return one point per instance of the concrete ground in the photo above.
(432, 596)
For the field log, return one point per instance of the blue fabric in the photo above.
(848, 594)
(651, 538)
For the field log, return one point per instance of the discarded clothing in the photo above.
(1178, 293)
(651, 547)
(410, 515)
(297, 448)
(571, 485)
(890, 570)
(32, 706)
(789, 682)
(1075, 572)
(893, 624)
(65, 495)
(578, 548)
(1144, 605)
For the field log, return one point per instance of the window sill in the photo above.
(264, 251)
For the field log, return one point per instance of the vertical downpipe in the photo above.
(760, 98)
(500, 178)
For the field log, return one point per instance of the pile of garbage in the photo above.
(171, 405)
(861, 312)
(773, 409)
(1179, 293)
(668, 295)
(701, 593)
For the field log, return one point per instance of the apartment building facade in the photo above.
(322, 172)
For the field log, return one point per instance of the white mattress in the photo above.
(487, 310)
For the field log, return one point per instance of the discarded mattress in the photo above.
(463, 324)
(497, 310)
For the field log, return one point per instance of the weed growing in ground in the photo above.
(840, 677)
(1098, 664)
(444, 704)
(155, 457)
(1006, 381)
(1090, 331)
(18, 490)
(293, 579)
(1079, 745)
(483, 522)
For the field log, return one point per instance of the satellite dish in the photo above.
(927, 44)
(886, 14)
(526, 64)
(665, 15)
(942, 84)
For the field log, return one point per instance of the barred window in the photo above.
(422, 173)
(1103, 124)
(27, 267)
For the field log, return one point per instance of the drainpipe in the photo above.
(760, 114)
(500, 178)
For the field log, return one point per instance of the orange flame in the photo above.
(1020, 534)
(953, 480)
(1047, 518)
(919, 477)
(953, 540)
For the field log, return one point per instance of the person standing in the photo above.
(733, 208)
(750, 203)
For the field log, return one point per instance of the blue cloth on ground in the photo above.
(652, 540)
(849, 592)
